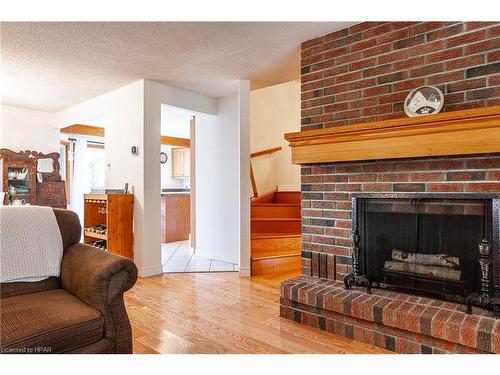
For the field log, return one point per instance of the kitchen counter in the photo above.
(175, 213)
(175, 191)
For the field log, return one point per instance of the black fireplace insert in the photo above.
(441, 245)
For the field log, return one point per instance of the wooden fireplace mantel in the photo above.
(465, 132)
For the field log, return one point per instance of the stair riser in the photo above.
(275, 244)
(292, 227)
(284, 264)
(287, 197)
(269, 211)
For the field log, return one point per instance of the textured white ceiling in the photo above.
(50, 66)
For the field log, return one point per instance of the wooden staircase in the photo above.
(275, 233)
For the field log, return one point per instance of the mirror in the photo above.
(45, 165)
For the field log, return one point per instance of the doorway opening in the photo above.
(178, 195)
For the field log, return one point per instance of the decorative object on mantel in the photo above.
(425, 100)
(466, 132)
(32, 177)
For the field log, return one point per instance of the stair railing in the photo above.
(268, 151)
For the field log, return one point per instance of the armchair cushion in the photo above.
(97, 277)
(13, 289)
(53, 321)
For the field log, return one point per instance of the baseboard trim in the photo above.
(245, 272)
(150, 271)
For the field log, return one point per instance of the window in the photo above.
(96, 167)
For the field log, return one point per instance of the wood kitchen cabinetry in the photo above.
(175, 213)
(181, 162)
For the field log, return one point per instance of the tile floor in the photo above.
(178, 257)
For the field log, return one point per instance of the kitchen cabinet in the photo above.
(181, 162)
(175, 217)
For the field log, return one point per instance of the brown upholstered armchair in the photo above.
(82, 311)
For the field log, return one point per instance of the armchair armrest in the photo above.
(99, 279)
(95, 276)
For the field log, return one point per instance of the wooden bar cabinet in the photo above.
(114, 213)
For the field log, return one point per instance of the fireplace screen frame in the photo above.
(494, 239)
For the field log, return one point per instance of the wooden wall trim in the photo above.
(80, 129)
(95, 145)
(175, 141)
(466, 132)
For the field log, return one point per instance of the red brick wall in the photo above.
(327, 191)
(364, 73)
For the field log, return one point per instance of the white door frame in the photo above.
(192, 183)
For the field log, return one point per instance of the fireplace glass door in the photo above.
(426, 246)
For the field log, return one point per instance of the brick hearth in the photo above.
(362, 74)
(394, 321)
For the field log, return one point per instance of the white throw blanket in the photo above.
(31, 247)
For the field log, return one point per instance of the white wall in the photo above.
(217, 182)
(274, 111)
(175, 121)
(121, 113)
(26, 129)
(156, 94)
(222, 146)
(132, 116)
(244, 175)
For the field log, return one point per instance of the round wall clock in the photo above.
(425, 100)
(163, 158)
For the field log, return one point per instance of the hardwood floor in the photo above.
(222, 313)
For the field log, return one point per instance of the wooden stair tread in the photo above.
(276, 219)
(276, 233)
(277, 197)
(275, 264)
(276, 204)
(262, 235)
(276, 211)
(271, 254)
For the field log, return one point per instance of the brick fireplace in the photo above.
(361, 75)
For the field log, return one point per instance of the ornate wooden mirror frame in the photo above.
(33, 156)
